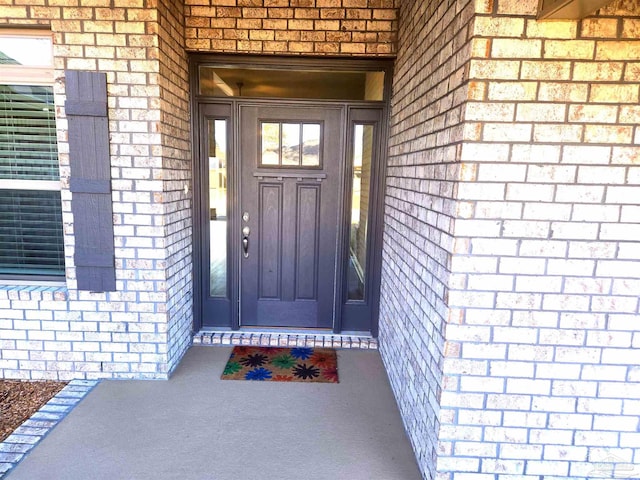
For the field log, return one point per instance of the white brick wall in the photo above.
(540, 289)
(142, 329)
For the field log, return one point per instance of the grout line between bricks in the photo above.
(18, 445)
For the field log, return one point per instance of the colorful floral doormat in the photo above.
(282, 364)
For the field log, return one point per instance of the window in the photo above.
(290, 144)
(31, 237)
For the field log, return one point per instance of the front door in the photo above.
(289, 206)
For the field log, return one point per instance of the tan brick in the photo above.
(199, 44)
(249, 46)
(487, 111)
(498, 27)
(220, 12)
(279, 24)
(227, 34)
(327, 25)
(598, 71)
(303, 47)
(249, 23)
(540, 112)
(618, 50)
(563, 92)
(353, 48)
(632, 72)
(103, 26)
(275, 46)
(313, 36)
(332, 13)
(593, 113)
(254, 13)
(358, 14)
(222, 23)
(287, 35)
(614, 93)
(261, 35)
(545, 70)
(49, 13)
(223, 45)
(573, 49)
(481, 47)
(517, 7)
(556, 29)
(110, 13)
(300, 24)
(366, 37)
(387, 49)
(608, 134)
(197, 22)
(327, 47)
(353, 25)
(630, 28)
(130, 27)
(385, 14)
(306, 13)
(599, 28)
(494, 69)
(513, 91)
(354, 3)
(516, 48)
(560, 133)
(280, 13)
(142, 15)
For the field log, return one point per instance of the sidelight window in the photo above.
(217, 141)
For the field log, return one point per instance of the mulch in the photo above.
(20, 399)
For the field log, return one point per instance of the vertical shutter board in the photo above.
(89, 160)
(90, 224)
(81, 128)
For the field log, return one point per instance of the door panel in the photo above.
(290, 189)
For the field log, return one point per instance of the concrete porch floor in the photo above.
(196, 426)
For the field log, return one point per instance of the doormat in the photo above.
(301, 364)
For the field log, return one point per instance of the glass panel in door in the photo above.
(362, 149)
(217, 160)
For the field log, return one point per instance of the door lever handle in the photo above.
(245, 241)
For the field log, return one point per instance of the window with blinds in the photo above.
(31, 237)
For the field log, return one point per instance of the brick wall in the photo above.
(427, 107)
(512, 216)
(142, 329)
(540, 379)
(311, 27)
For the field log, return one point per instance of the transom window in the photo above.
(290, 144)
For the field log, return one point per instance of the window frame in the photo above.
(37, 76)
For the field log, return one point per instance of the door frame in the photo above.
(230, 105)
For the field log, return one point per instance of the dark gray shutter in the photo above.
(86, 109)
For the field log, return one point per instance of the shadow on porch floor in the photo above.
(196, 426)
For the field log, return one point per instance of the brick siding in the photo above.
(426, 126)
(293, 27)
(142, 329)
(539, 288)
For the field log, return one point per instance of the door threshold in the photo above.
(281, 339)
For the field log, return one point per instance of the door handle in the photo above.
(245, 241)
